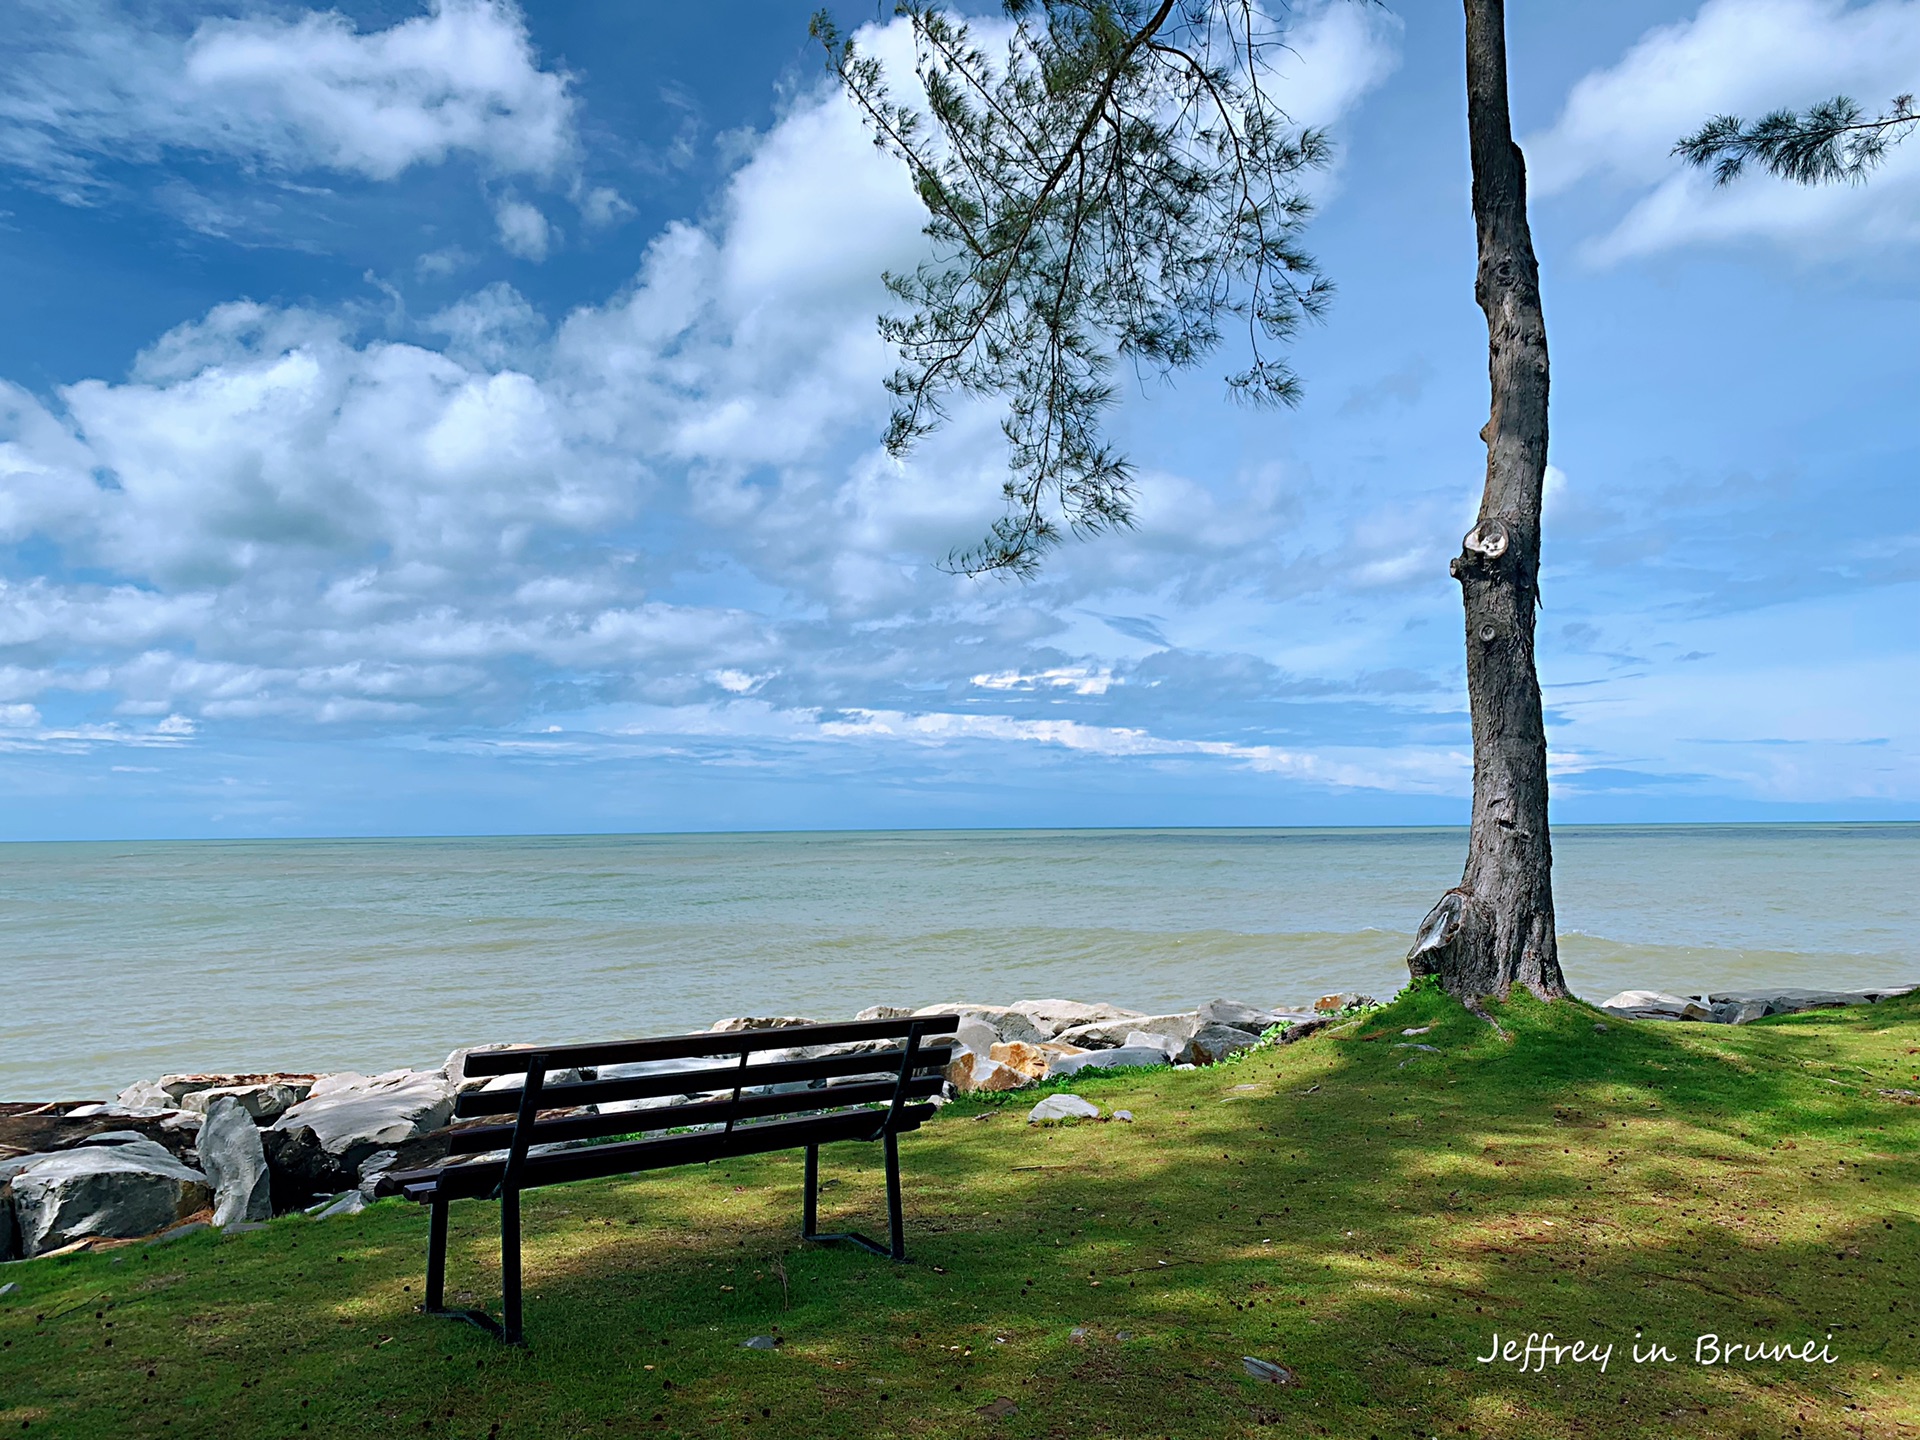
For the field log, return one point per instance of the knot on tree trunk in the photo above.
(1481, 549)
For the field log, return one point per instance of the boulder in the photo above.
(1107, 1059)
(1030, 1060)
(1166, 1044)
(455, 1068)
(1105, 1034)
(265, 1101)
(144, 1095)
(1655, 1005)
(316, 1148)
(1063, 1107)
(104, 1191)
(886, 1012)
(1740, 1012)
(235, 1163)
(1213, 1043)
(374, 1168)
(756, 1022)
(519, 1082)
(969, 1071)
(1055, 1016)
(1244, 1017)
(1006, 1022)
(1793, 1001)
(976, 1035)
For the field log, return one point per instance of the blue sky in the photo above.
(464, 418)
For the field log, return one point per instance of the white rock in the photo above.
(1241, 1016)
(351, 1203)
(975, 1034)
(332, 1084)
(1106, 1060)
(376, 1113)
(110, 1191)
(1006, 1022)
(519, 1082)
(1106, 1034)
(1140, 1039)
(235, 1163)
(757, 1022)
(1056, 1016)
(1063, 1107)
(143, 1095)
(265, 1102)
(373, 1167)
(1655, 1005)
(455, 1068)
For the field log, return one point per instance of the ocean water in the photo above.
(122, 961)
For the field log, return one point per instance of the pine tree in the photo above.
(1825, 143)
(1120, 183)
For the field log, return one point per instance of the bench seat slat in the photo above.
(475, 1178)
(693, 1082)
(513, 1059)
(476, 1139)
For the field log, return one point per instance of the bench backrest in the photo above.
(713, 1076)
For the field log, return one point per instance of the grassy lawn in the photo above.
(1369, 1223)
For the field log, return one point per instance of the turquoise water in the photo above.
(119, 961)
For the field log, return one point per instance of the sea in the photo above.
(122, 961)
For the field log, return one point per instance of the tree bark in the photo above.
(1495, 930)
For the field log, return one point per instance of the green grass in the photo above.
(1369, 1224)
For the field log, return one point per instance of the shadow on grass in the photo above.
(1366, 1214)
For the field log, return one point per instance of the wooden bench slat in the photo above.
(513, 1059)
(477, 1178)
(694, 1082)
(477, 1139)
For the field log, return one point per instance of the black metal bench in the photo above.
(732, 1108)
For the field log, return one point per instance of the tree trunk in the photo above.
(1495, 930)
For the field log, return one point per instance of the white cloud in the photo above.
(1076, 679)
(602, 206)
(523, 229)
(1619, 124)
(93, 79)
(1336, 53)
(672, 503)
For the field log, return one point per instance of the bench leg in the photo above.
(510, 1330)
(896, 1246)
(810, 1205)
(896, 1230)
(436, 1255)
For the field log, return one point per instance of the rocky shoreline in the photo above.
(188, 1151)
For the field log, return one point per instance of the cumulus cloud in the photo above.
(523, 229)
(1618, 126)
(93, 81)
(669, 507)
(1335, 54)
